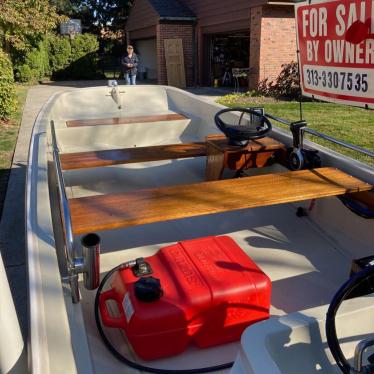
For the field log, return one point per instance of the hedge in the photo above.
(83, 60)
(59, 51)
(61, 58)
(82, 45)
(36, 64)
(8, 100)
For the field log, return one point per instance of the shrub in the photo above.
(38, 61)
(82, 45)
(85, 67)
(61, 58)
(24, 73)
(287, 84)
(83, 61)
(8, 101)
(35, 65)
(59, 51)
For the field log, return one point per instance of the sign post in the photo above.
(336, 50)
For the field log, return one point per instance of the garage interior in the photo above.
(227, 51)
(147, 52)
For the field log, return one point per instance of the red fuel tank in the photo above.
(210, 292)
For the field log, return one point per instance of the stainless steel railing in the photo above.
(326, 137)
(89, 264)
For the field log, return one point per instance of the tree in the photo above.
(96, 15)
(63, 7)
(23, 23)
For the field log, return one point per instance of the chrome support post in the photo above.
(89, 264)
(359, 351)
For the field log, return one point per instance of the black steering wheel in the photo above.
(365, 275)
(241, 134)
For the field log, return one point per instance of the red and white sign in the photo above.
(336, 50)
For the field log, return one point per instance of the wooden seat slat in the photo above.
(126, 120)
(112, 211)
(93, 159)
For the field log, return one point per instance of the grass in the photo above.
(353, 125)
(8, 140)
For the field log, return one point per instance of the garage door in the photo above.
(147, 52)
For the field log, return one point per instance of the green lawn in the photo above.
(353, 125)
(8, 139)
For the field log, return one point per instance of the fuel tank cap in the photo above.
(148, 289)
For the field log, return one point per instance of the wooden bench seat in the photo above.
(93, 159)
(112, 211)
(126, 120)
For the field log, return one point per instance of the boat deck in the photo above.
(306, 266)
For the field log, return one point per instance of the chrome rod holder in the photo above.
(91, 261)
(89, 264)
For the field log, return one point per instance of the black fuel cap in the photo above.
(148, 289)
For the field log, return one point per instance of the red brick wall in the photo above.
(272, 43)
(254, 46)
(175, 31)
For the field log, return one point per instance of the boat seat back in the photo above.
(90, 138)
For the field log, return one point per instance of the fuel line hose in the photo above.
(133, 364)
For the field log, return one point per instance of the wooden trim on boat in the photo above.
(256, 154)
(105, 212)
(126, 120)
(93, 159)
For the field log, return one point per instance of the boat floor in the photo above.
(306, 266)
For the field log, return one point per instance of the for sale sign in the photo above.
(336, 50)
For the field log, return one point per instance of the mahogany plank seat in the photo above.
(93, 159)
(105, 212)
(125, 120)
(235, 157)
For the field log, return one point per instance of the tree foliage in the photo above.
(22, 23)
(97, 15)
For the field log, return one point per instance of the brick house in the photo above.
(217, 36)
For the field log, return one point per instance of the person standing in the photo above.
(130, 64)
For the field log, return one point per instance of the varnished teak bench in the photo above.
(112, 211)
(235, 157)
(93, 159)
